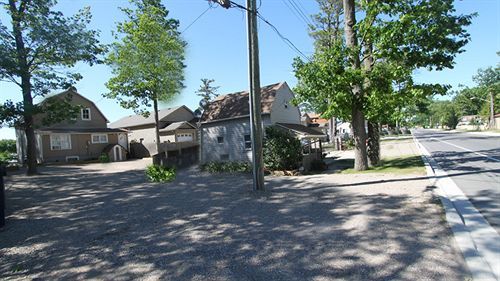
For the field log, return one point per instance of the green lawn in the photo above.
(411, 164)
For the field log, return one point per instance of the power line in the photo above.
(293, 12)
(275, 29)
(196, 19)
(286, 40)
(299, 10)
(303, 10)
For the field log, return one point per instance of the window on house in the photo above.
(100, 138)
(220, 139)
(60, 142)
(248, 142)
(85, 113)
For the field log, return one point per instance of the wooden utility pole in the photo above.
(254, 97)
(255, 104)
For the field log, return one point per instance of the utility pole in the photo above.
(255, 104)
(254, 97)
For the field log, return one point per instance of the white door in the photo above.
(184, 137)
(122, 140)
(117, 153)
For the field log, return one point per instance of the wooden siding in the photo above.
(81, 146)
(97, 120)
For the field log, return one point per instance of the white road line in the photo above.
(469, 150)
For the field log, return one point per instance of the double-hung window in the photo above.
(99, 138)
(60, 141)
(85, 113)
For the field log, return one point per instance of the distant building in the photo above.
(82, 138)
(175, 127)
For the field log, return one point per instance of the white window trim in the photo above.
(52, 140)
(99, 135)
(90, 114)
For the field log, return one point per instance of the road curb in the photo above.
(477, 240)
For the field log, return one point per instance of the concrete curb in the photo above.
(478, 241)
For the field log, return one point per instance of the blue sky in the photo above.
(217, 47)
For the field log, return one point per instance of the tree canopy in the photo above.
(371, 68)
(148, 58)
(37, 53)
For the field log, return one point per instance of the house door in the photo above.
(122, 140)
(117, 153)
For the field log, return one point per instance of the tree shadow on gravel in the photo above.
(117, 226)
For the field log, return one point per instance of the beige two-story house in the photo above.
(175, 124)
(83, 137)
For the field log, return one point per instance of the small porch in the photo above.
(311, 140)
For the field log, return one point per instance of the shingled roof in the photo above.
(139, 120)
(236, 104)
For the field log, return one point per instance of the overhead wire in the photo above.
(286, 40)
(274, 28)
(196, 19)
(300, 12)
(294, 12)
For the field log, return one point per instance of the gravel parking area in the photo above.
(105, 222)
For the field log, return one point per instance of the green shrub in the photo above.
(282, 150)
(8, 146)
(226, 167)
(5, 157)
(157, 173)
(349, 143)
(104, 158)
(7, 151)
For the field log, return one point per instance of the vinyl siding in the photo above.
(233, 132)
(282, 110)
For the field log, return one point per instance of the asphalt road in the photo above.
(473, 163)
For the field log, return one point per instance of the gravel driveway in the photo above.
(105, 222)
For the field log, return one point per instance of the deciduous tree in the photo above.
(372, 69)
(37, 52)
(147, 61)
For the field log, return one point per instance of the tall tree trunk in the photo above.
(16, 14)
(373, 149)
(373, 141)
(157, 124)
(28, 127)
(358, 118)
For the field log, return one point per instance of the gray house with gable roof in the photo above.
(225, 124)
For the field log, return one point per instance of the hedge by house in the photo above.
(282, 150)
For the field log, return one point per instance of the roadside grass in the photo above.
(411, 164)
